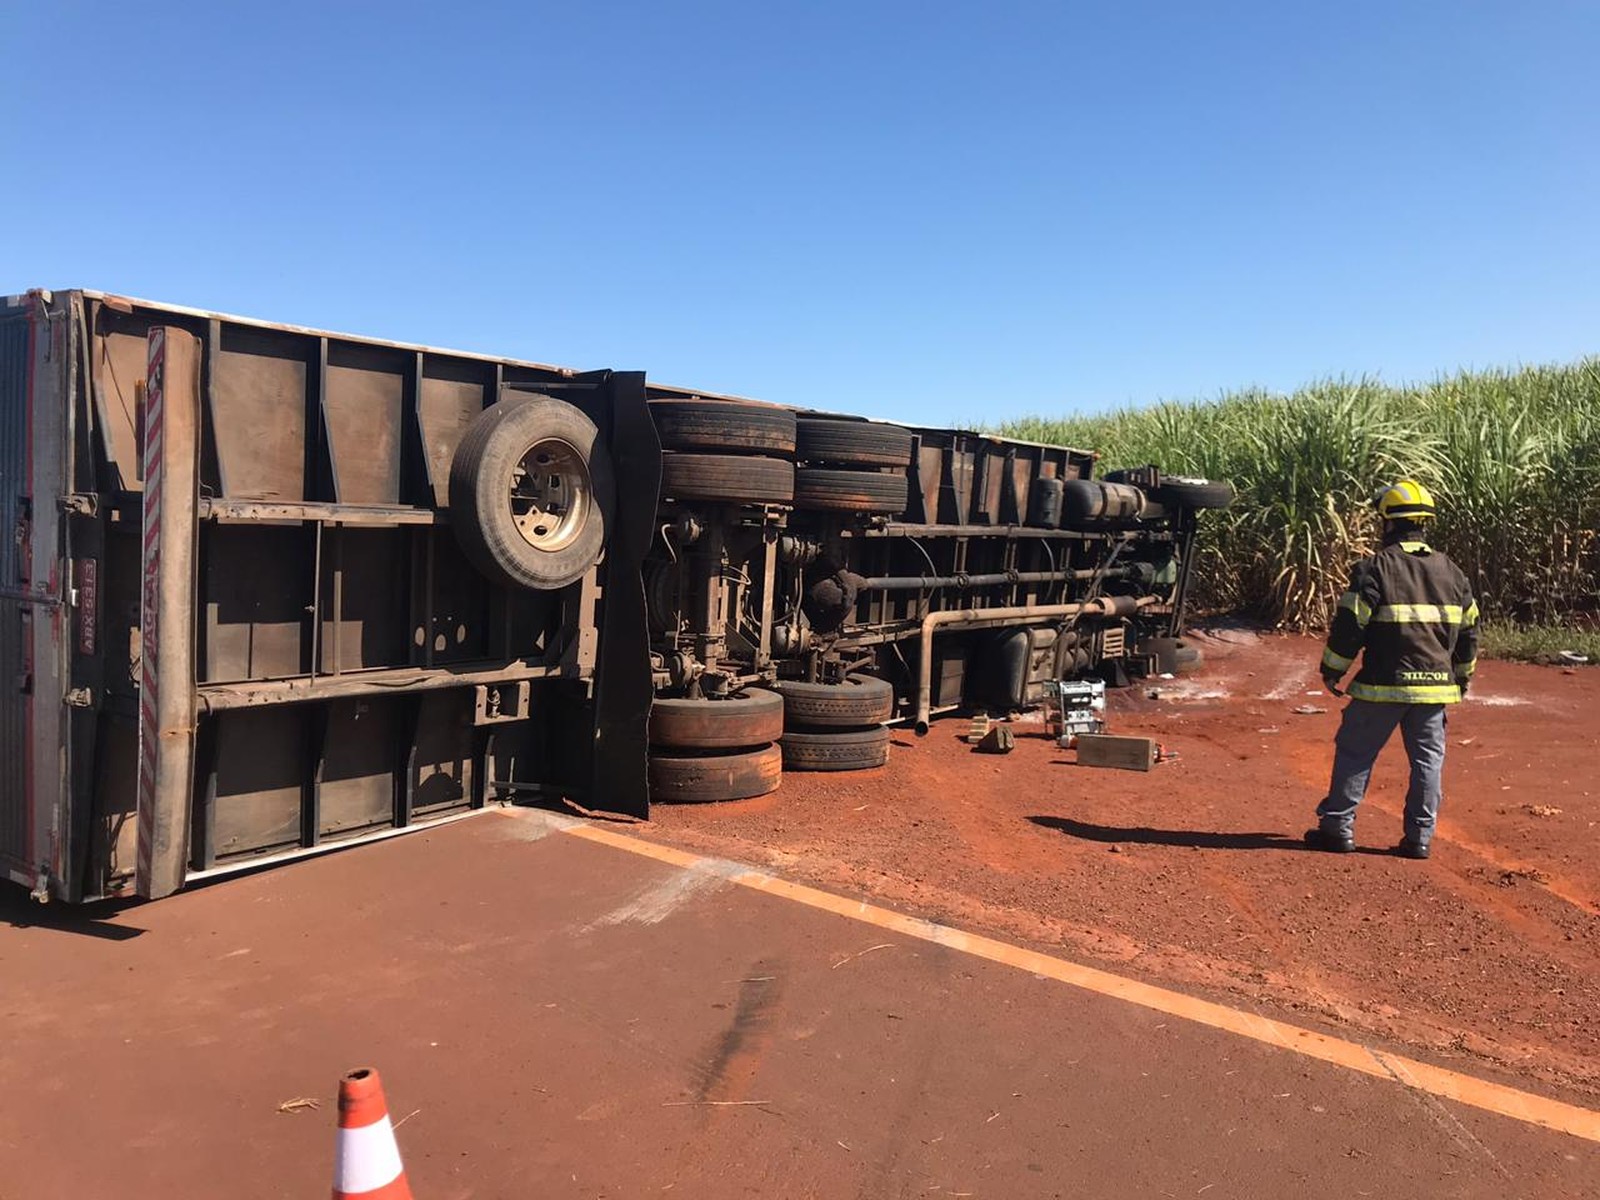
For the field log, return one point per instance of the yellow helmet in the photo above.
(1407, 500)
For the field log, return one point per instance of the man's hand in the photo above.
(1331, 681)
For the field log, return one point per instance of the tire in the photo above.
(859, 700)
(835, 749)
(729, 478)
(724, 425)
(532, 492)
(852, 443)
(698, 778)
(753, 718)
(1194, 493)
(833, 490)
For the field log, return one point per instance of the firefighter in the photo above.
(1410, 614)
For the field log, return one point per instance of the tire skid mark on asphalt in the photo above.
(1439, 1114)
(1414, 1074)
(740, 1048)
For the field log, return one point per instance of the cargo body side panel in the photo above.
(35, 379)
(280, 647)
(16, 850)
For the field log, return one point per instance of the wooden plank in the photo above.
(1113, 750)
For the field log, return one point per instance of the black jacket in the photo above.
(1410, 614)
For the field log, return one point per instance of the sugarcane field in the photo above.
(843, 603)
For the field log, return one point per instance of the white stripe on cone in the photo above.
(366, 1159)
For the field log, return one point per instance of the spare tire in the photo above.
(532, 492)
(859, 700)
(726, 425)
(1194, 493)
(852, 443)
(831, 489)
(704, 777)
(728, 478)
(753, 718)
(835, 749)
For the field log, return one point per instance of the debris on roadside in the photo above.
(1111, 750)
(1541, 810)
(299, 1104)
(1307, 710)
(1509, 877)
(1074, 707)
(1573, 658)
(999, 740)
(979, 729)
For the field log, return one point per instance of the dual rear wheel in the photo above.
(737, 748)
(736, 452)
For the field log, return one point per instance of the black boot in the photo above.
(1334, 843)
(1410, 849)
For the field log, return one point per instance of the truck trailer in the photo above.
(269, 590)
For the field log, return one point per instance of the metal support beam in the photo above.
(166, 614)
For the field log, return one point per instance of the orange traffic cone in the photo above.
(366, 1160)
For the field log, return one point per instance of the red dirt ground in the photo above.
(1194, 873)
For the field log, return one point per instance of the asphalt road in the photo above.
(556, 1018)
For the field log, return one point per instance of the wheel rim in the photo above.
(550, 494)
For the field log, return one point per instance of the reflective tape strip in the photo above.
(1470, 617)
(366, 1159)
(1354, 602)
(1437, 614)
(1428, 693)
(1336, 662)
(1416, 547)
(1466, 670)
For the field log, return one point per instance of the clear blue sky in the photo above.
(947, 212)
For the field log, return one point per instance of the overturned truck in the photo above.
(268, 590)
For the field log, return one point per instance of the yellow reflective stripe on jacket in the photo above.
(1466, 670)
(1437, 614)
(1336, 662)
(1354, 602)
(1425, 693)
(1470, 617)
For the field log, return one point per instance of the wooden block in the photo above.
(1111, 750)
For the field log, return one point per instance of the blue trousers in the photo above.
(1363, 732)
